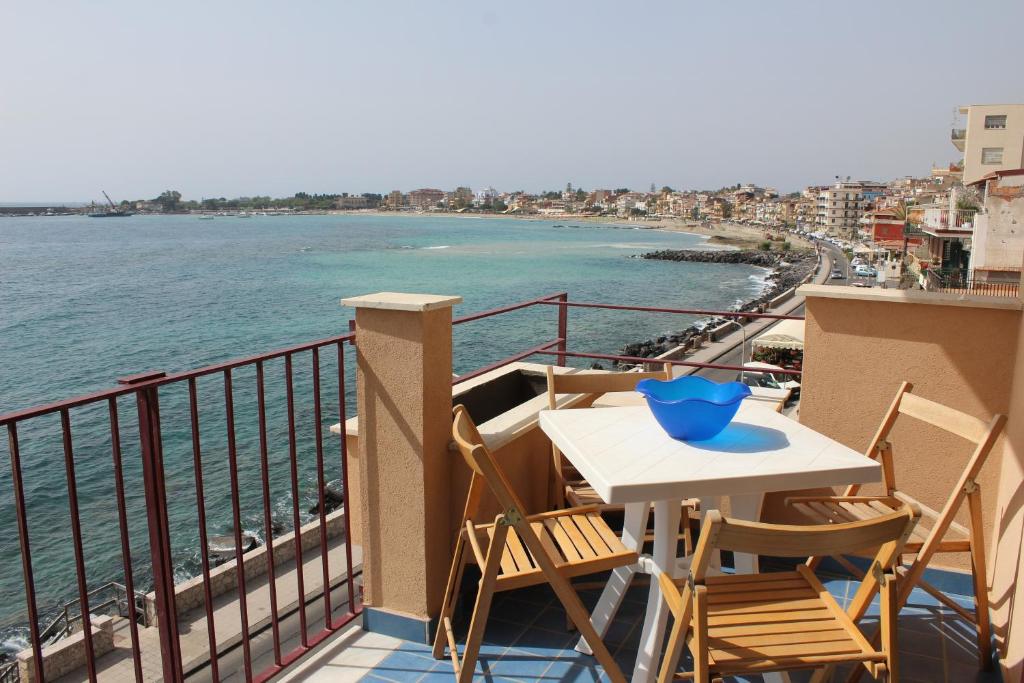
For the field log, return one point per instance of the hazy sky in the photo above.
(241, 98)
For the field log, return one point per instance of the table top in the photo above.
(627, 457)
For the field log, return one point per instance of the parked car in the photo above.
(768, 375)
(865, 270)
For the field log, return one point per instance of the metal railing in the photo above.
(151, 426)
(63, 624)
(961, 282)
(557, 347)
(946, 219)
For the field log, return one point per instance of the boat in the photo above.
(206, 218)
(114, 211)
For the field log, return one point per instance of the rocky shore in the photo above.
(788, 270)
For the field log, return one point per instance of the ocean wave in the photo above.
(443, 246)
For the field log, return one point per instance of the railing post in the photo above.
(148, 403)
(563, 328)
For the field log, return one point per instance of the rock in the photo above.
(220, 549)
(334, 496)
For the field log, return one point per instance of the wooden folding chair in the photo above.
(568, 486)
(937, 536)
(754, 623)
(517, 550)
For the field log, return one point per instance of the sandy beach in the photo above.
(725, 233)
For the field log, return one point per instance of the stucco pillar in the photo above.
(404, 400)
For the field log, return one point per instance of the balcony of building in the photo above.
(941, 221)
(383, 553)
(959, 138)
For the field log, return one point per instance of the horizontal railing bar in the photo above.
(505, 309)
(658, 309)
(505, 361)
(159, 381)
(685, 363)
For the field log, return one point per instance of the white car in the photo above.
(865, 270)
(768, 375)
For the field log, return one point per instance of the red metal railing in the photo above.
(146, 389)
(561, 300)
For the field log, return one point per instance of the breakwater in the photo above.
(789, 269)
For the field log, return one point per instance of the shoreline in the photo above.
(784, 275)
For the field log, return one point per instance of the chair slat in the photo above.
(719, 641)
(565, 544)
(944, 417)
(780, 653)
(586, 527)
(518, 553)
(818, 613)
(723, 598)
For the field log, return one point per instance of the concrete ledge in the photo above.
(910, 296)
(190, 594)
(68, 654)
(397, 301)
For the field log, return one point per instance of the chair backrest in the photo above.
(485, 468)
(787, 540)
(977, 432)
(597, 383)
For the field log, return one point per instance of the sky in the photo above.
(272, 98)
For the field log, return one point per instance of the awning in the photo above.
(787, 334)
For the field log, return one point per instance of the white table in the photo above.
(628, 459)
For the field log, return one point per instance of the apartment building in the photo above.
(840, 207)
(425, 198)
(992, 139)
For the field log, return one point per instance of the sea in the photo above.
(84, 301)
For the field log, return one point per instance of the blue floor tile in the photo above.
(527, 640)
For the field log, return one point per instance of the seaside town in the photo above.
(954, 228)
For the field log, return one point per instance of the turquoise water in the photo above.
(84, 301)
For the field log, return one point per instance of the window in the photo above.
(991, 155)
(995, 122)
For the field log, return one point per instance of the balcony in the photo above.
(962, 282)
(959, 138)
(264, 616)
(943, 222)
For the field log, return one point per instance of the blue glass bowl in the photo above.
(693, 408)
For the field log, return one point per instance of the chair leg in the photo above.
(980, 573)
(451, 594)
(578, 613)
(483, 605)
(673, 651)
(701, 673)
(889, 611)
(823, 674)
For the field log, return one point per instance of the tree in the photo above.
(622, 190)
(667, 190)
(169, 200)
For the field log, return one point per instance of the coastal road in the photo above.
(834, 258)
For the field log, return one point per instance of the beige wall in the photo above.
(1011, 139)
(1008, 559)
(859, 349)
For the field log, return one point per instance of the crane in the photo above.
(109, 200)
